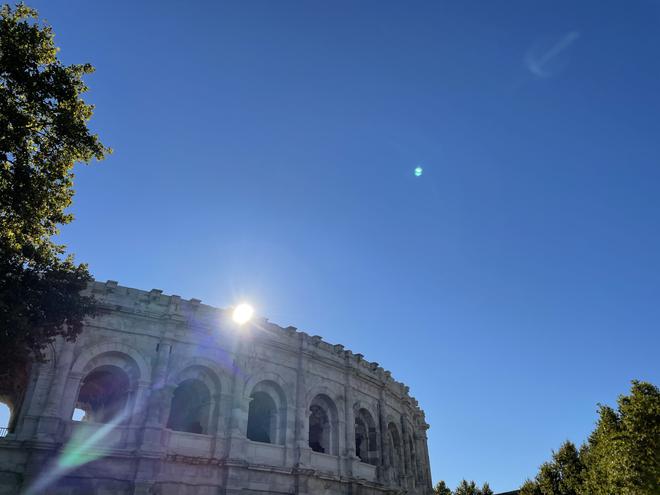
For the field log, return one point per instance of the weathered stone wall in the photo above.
(159, 345)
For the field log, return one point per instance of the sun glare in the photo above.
(242, 313)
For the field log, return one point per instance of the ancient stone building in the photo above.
(164, 396)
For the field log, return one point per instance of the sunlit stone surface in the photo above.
(171, 397)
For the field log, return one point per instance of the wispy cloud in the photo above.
(544, 61)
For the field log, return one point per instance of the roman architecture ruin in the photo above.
(161, 395)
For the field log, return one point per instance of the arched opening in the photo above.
(361, 435)
(323, 427)
(396, 455)
(191, 407)
(366, 443)
(103, 394)
(319, 430)
(5, 418)
(267, 413)
(262, 418)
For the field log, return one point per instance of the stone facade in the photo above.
(175, 398)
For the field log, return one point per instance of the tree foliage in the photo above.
(464, 488)
(441, 488)
(621, 456)
(43, 133)
(467, 488)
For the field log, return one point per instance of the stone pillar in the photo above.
(302, 451)
(414, 459)
(407, 457)
(48, 427)
(349, 415)
(159, 375)
(42, 375)
(237, 421)
(157, 401)
(426, 465)
(221, 432)
(54, 402)
(340, 448)
(211, 427)
(384, 471)
(154, 438)
(136, 411)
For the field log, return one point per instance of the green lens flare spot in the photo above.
(418, 171)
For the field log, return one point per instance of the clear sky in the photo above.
(266, 151)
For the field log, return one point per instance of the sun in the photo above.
(242, 313)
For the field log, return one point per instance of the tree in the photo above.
(43, 133)
(622, 454)
(464, 488)
(441, 488)
(467, 488)
(562, 475)
(485, 490)
(530, 487)
(621, 457)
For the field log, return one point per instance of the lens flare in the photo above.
(87, 443)
(418, 171)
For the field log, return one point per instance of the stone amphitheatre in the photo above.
(161, 395)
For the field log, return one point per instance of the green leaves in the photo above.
(464, 488)
(441, 488)
(623, 453)
(44, 129)
(43, 133)
(621, 457)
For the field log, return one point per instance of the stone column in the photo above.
(340, 448)
(407, 457)
(426, 465)
(158, 382)
(221, 433)
(414, 460)
(384, 471)
(349, 415)
(136, 411)
(302, 450)
(154, 418)
(54, 402)
(41, 377)
(48, 427)
(237, 420)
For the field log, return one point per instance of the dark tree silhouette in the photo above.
(43, 133)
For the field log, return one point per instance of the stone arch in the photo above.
(190, 407)
(105, 366)
(269, 376)
(366, 435)
(215, 373)
(335, 394)
(103, 395)
(89, 353)
(323, 425)
(194, 404)
(267, 413)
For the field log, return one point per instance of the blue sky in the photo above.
(265, 151)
